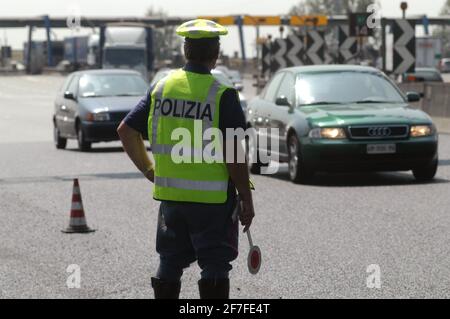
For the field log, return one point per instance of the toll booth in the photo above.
(57, 52)
(36, 61)
(76, 50)
(39, 55)
(5, 55)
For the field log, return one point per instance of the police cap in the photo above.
(201, 29)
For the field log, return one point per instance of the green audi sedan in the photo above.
(340, 118)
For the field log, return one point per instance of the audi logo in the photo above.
(379, 131)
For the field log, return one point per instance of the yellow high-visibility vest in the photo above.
(188, 101)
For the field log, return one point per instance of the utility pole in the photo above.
(258, 46)
(240, 24)
(281, 31)
(338, 4)
(29, 48)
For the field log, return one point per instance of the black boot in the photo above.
(214, 289)
(165, 289)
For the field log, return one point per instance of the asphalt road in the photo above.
(446, 77)
(317, 240)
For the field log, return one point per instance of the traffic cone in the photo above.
(77, 222)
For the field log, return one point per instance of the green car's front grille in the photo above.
(379, 132)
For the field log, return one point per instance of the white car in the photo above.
(444, 65)
(237, 79)
(234, 75)
(222, 78)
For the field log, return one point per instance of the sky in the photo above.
(179, 8)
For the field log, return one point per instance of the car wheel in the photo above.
(60, 142)
(83, 145)
(253, 159)
(427, 172)
(298, 171)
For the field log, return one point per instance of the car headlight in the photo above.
(328, 133)
(98, 117)
(421, 130)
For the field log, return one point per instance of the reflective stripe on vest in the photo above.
(188, 184)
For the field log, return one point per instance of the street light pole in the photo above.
(404, 6)
(258, 47)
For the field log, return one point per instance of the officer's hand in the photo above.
(247, 213)
(150, 175)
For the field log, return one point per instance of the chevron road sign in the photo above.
(279, 50)
(295, 51)
(266, 59)
(404, 46)
(315, 51)
(348, 46)
(291, 51)
(328, 58)
(282, 53)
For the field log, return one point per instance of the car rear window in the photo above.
(97, 85)
(345, 87)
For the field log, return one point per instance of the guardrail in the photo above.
(436, 97)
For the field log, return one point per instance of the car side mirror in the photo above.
(69, 96)
(282, 100)
(413, 96)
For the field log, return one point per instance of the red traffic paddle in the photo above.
(254, 257)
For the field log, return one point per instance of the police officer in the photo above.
(197, 197)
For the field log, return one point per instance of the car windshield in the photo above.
(129, 57)
(223, 79)
(235, 75)
(428, 75)
(345, 87)
(112, 85)
(159, 76)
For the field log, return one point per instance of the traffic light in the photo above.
(358, 24)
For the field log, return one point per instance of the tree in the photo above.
(444, 32)
(166, 43)
(445, 11)
(331, 7)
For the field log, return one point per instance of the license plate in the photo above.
(381, 149)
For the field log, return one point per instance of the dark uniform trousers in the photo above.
(189, 232)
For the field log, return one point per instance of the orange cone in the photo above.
(77, 222)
